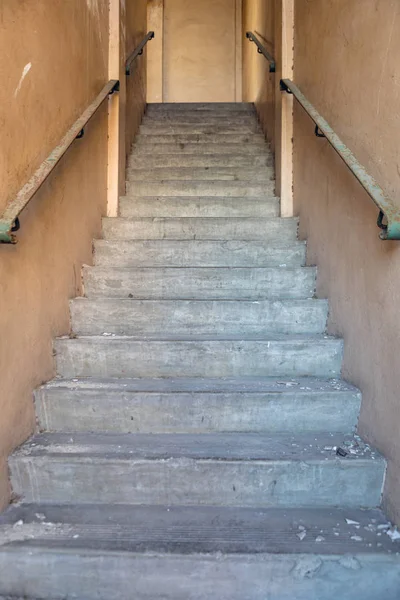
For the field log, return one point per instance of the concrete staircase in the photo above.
(198, 442)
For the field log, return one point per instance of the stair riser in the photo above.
(138, 161)
(201, 229)
(200, 118)
(223, 189)
(190, 107)
(183, 481)
(200, 174)
(195, 207)
(88, 576)
(122, 577)
(108, 357)
(100, 410)
(176, 317)
(201, 138)
(200, 128)
(153, 284)
(160, 253)
(258, 150)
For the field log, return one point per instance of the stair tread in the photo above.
(298, 385)
(271, 447)
(196, 529)
(295, 338)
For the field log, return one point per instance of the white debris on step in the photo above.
(302, 535)
(394, 534)
(319, 539)
(356, 538)
(351, 522)
(18, 524)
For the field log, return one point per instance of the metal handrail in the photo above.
(387, 208)
(137, 51)
(9, 221)
(261, 50)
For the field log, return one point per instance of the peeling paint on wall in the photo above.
(25, 72)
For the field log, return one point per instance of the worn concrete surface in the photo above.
(197, 253)
(200, 228)
(197, 317)
(210, 282)
(241, 356)
(197, 405)
(234, 469)
(196, 206)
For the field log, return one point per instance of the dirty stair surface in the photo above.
(198, 442)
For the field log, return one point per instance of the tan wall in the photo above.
(347, 63)
(54, 61)
(258, 82)
(201, 51)
(136, 29)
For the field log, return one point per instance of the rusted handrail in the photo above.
(261, 50)
(137, 52)
(387, 208)
(9, 220)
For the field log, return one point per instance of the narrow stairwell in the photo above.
(198, 442)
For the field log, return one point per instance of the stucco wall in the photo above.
(136, 29)
(54, 61)
(346, 62)
(258, 82)
(199, 51)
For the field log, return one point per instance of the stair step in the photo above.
(190, 530)
(180, 207)
(114, 552)
(197, 317)
(177, 107)
(200, 138)
(233, 128)
(224, 189)
(208, 228)
(197, 253)
(203, 356)
(200, 117)
(173, 160)
(265, 174)
(197, 405)
(224, 469)
(207, 283)
(257, 149)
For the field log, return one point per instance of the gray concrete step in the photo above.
(170, 160)
(197, 317)
(208, 228)
(199, 127)
(224, 469)
(207, 283)
(224, 148)
(264, 174)
(203, 356)
(190, 107)
(225, 189)
(197, 253)
(219, 118)
(92, 552)
(200, 138)
(192, 206)
(197, 405)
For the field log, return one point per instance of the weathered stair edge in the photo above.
(197, 406)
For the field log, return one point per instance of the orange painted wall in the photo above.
(54, 59)
(347, 64)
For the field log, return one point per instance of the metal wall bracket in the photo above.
(284, 88)
(318, 132)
